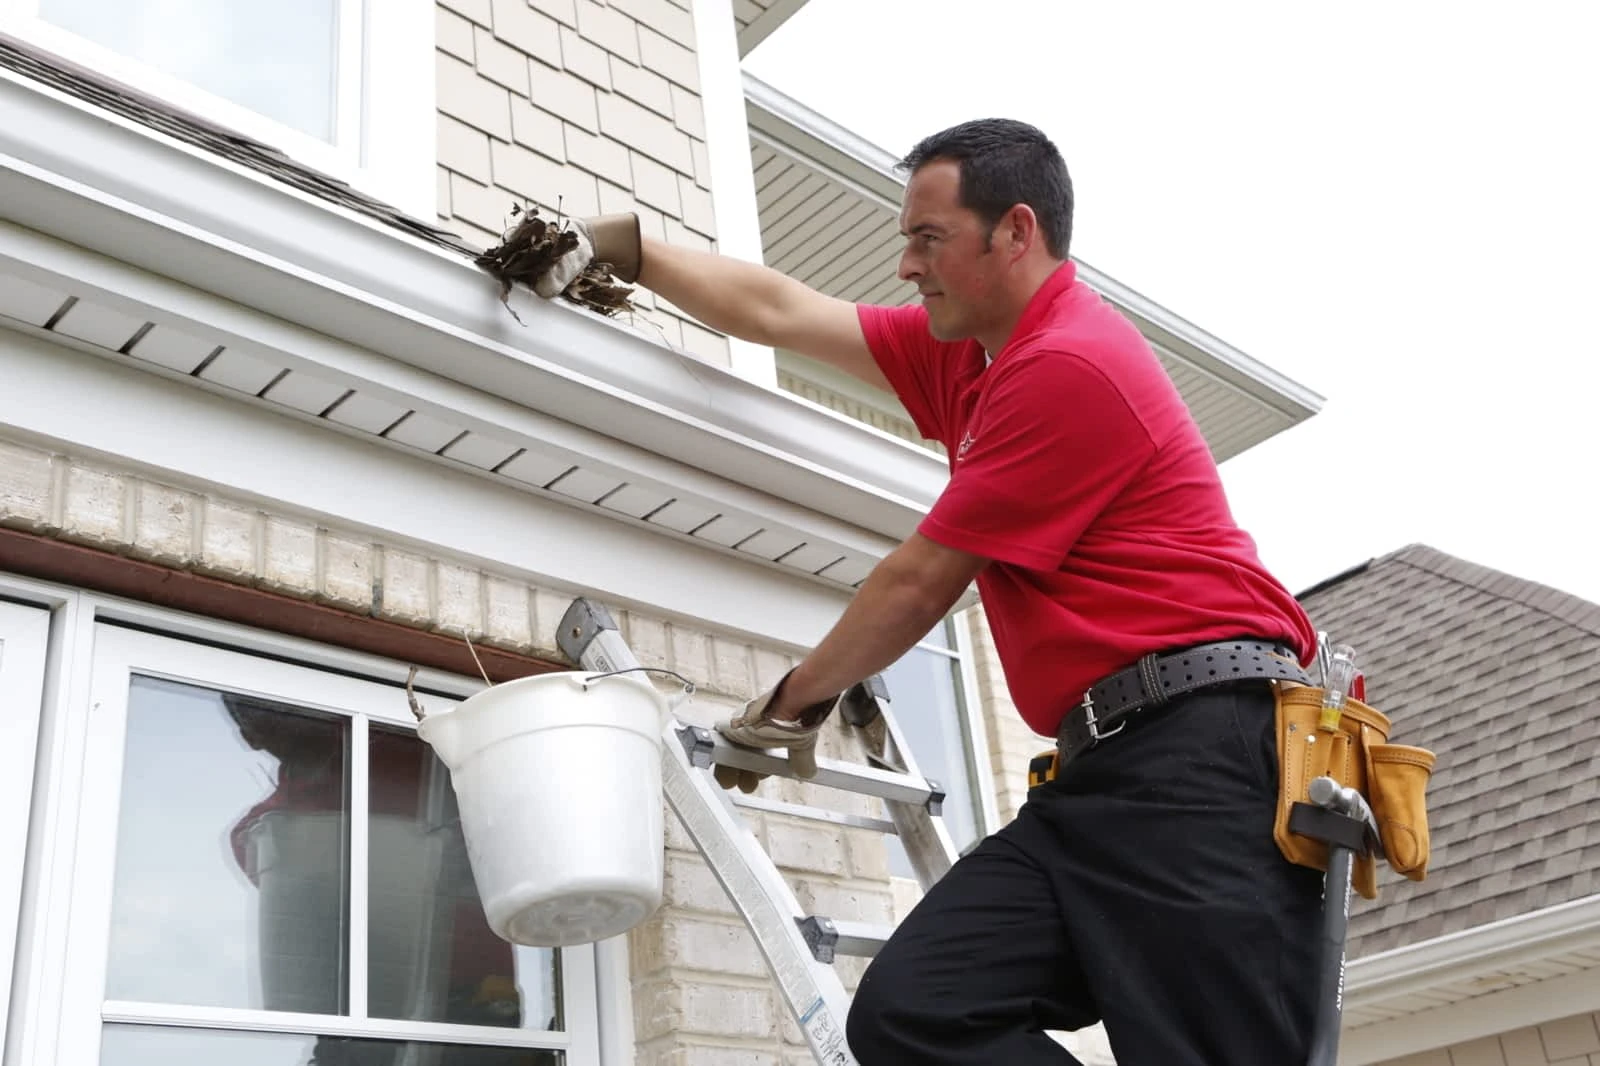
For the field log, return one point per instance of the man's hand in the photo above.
(759, 726)
(610, 239)
(902, 599)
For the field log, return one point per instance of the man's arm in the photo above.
(760, 305)
(903, 598)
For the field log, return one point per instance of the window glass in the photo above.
(232, 849)
(141, 1046)
(431, 954)
(277, 59)
(925, 693)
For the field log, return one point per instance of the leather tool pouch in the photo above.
(1392, 777)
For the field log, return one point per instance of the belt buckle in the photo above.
(1095, 736)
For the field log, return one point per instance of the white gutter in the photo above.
(1484, 949)
(95, 179)
(788, 126)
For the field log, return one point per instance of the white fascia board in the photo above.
(787, 126)
(114, 284)
(1484, 949)
(767, 23)
(1477, 1018)
(91, 178)
(91, 407)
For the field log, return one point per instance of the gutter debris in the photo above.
(530, 248)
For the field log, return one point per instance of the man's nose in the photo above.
(910, 266)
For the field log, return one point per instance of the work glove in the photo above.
(609, 239)
(754, 728)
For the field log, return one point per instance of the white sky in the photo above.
(1394, 203)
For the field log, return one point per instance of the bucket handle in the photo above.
(673, 703)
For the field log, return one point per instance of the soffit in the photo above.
(572, 467)
(829, 211)
(156, 221)
(756, 20)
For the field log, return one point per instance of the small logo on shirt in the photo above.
(966, 443)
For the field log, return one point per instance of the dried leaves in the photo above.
(529, 250)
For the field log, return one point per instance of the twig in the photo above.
(475, 659)
(411, 696)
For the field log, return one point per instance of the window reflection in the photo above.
(232, 850)
(124, 1045)
(432, 956)
(276, 59)
(925, 697)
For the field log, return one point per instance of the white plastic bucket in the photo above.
(558, 780)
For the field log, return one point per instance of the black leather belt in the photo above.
(1159, 677)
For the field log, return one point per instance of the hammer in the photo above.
(1341, 817)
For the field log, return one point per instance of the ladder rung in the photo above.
(816, 814)
(707, 747)
(828, 938)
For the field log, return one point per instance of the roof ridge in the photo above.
(1547, 600)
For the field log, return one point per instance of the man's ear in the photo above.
(1020, 228)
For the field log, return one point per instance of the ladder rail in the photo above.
(812, 991)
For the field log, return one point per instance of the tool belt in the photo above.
(1109, 705)
(1392, 777)
(1156, 679)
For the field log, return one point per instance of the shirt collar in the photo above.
(1041, 303)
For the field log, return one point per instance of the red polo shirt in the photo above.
(1076, 468)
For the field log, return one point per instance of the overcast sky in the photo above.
(1394, 203)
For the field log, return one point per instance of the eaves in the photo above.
(1449, 990)
(830, 196)
(160, 230)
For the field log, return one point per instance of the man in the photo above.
(1142, 886)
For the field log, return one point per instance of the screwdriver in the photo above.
(1336, 685)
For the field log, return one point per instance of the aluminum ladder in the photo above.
(799, 947)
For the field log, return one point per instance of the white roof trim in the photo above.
(109, 411)
(1471, 952)
(94, 179)
(789, 127)
(776, 14)
(1479, 957)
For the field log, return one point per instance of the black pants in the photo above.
(1141, 888)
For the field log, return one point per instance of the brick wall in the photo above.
(1573, 1041)
(701, 992)
(592, 107)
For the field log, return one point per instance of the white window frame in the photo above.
(24, 642)
(58, 1003)
(970, 724)
(384, 124)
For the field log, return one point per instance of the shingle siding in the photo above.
(578, 107)
(1496, 675)
(1573, 1041)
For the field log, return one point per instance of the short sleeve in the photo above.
(900, 343)
(1053, 443)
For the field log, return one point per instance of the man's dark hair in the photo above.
(1004, 163)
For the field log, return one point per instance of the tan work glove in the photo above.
(753, 728)
(610, 239)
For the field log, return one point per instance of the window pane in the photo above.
(126, 1045)
(431, 954)
(923, 691)
(232, 852)
(276, 59)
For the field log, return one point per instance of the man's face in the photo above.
(946, 255)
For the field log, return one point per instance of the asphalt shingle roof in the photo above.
(1498, 676)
